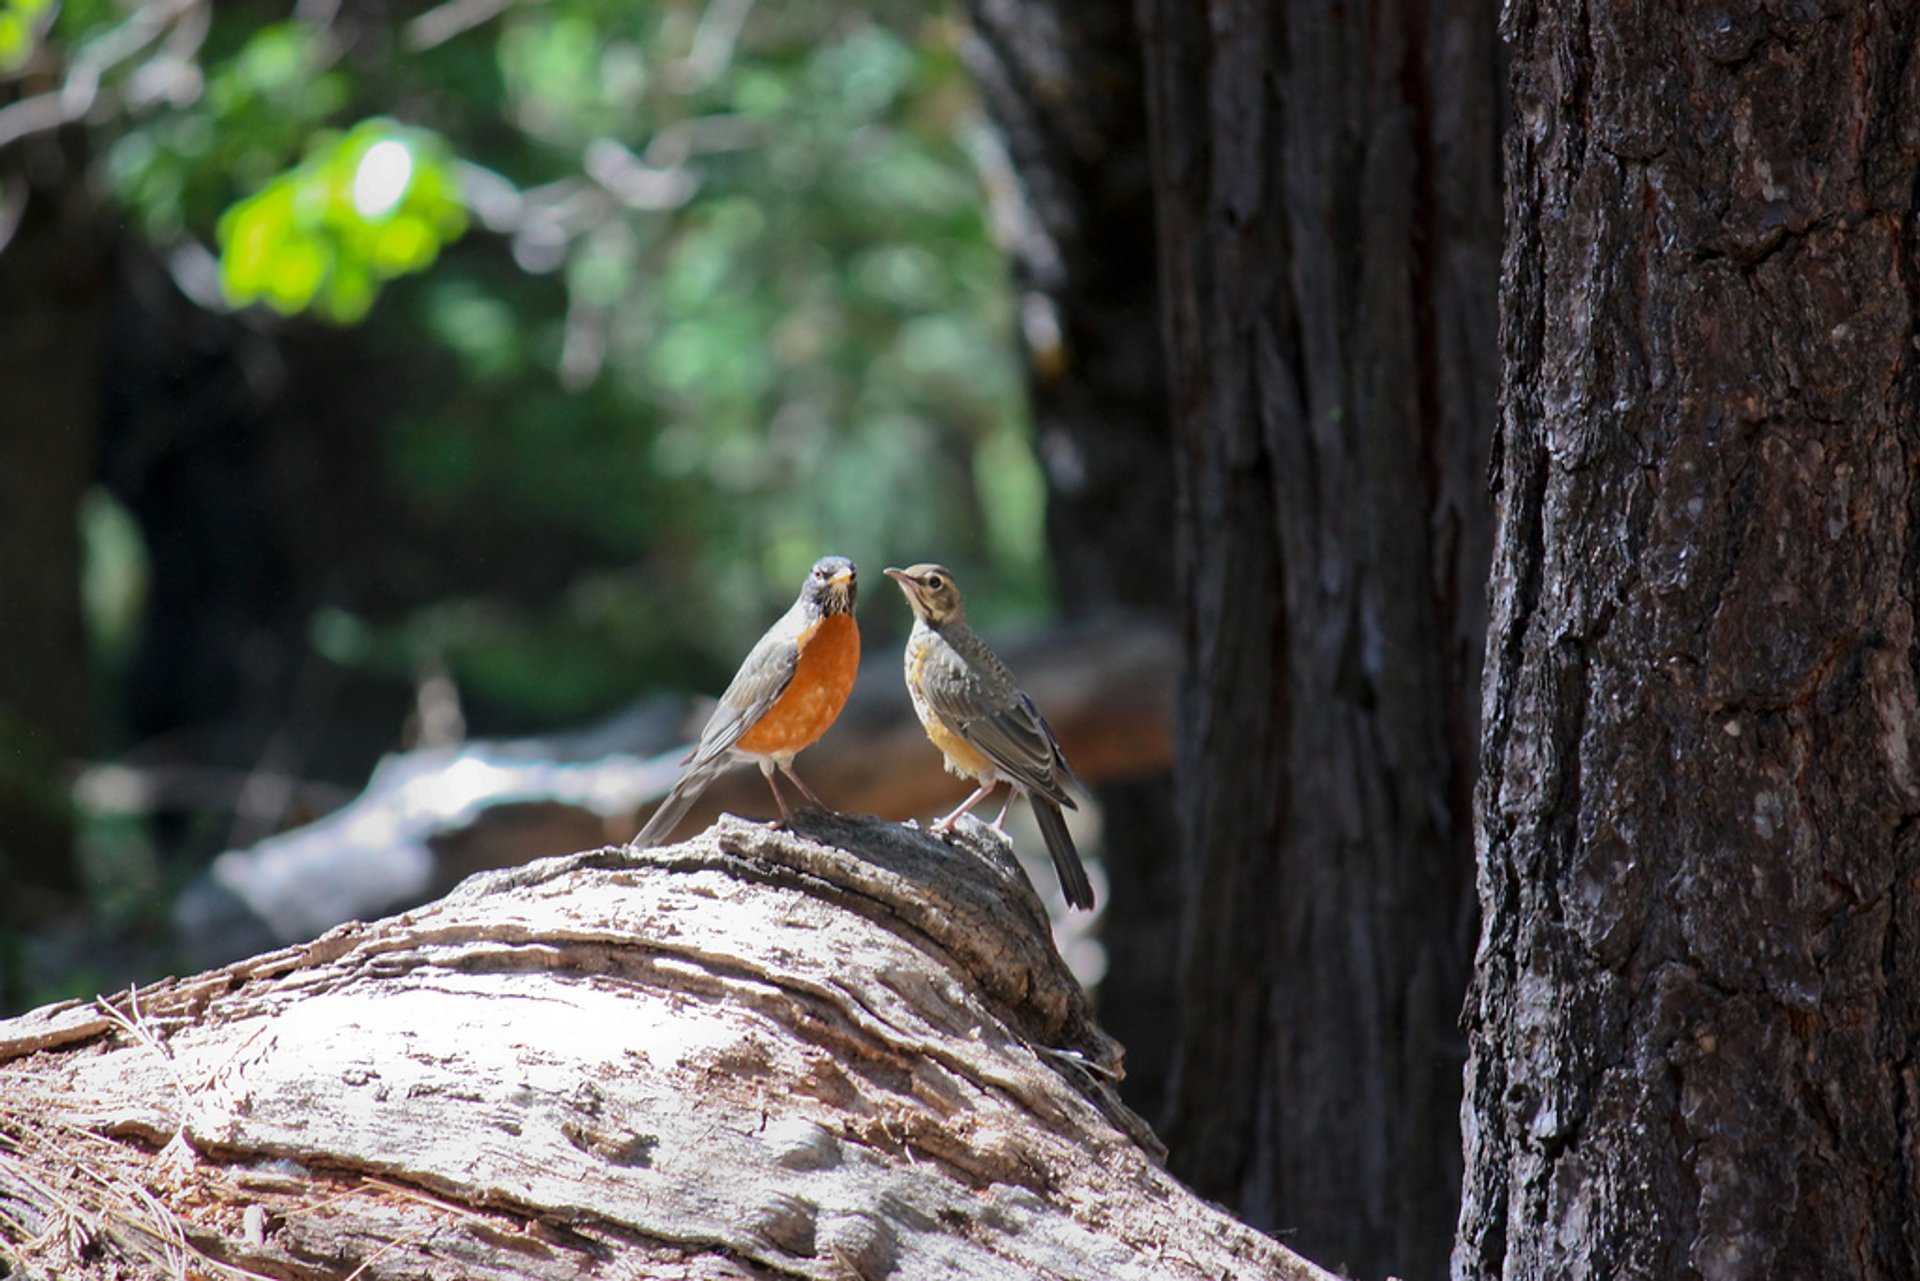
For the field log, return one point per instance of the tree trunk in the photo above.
(846, 1052)
(1695, 1011)
(56, 257)
(1065, 85)
(1328, 221)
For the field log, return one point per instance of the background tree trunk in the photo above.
(848, 1053)
(1065, 84)
(1328, 227)
(1695, 1011)
(53, 251)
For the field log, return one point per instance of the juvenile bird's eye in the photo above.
(934, 582)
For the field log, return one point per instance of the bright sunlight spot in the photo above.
(382, 178)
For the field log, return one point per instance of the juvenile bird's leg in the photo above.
(980, 793)
(766, 768)
(786, 767)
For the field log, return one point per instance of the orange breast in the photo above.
(829, 660)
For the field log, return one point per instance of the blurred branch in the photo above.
(136, 791)
(179, 25)
(633, 182)
(679, 142)
(542, 221)
(443, 22)
(714, 42)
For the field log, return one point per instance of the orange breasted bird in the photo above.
(788, 691)
(985, 727)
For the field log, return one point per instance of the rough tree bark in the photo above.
(1065, 85)
(848, 1051)
(1328, 218)
(1698, 994)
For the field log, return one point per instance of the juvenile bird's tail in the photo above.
(1066, 859)
(675, 807)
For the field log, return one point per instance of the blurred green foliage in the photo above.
(22, 25)
(726, 298)
(365, 206)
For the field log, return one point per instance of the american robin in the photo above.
(983, 724)
(785, 695)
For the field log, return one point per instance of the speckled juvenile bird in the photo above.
(983, 724)
(788, 691)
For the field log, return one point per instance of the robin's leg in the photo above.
(766, 768)
(1000, 824)
(980, 794)
(786, 767)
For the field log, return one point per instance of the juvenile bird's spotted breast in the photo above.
(822, 679)
(931, 662)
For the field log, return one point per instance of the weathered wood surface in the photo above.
(847, 1051)
(431, 817)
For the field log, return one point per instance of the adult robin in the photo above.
(788, 691)
(983, 724)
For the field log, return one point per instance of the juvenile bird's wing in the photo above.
(974, 695)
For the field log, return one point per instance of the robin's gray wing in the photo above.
(757, 686)
(982, 704)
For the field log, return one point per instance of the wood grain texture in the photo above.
(1694, 1019)
(849, 1050)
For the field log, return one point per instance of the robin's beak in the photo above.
(843, 579)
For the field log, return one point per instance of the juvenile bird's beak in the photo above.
(897, 575)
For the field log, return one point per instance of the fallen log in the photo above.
(848, 1050)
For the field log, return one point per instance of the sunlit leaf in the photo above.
(362, 208)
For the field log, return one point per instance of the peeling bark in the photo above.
(850, 1050)
(1697, 1000)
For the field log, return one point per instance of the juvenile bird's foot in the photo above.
(979, 794)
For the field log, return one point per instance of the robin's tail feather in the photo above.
(1066, 859)
(675, 807)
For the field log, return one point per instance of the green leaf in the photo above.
(363, 208)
